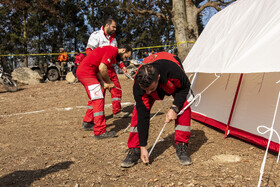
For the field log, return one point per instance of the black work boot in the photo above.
(107, 134)
(132, 158)
(182, 155)
(87, 126)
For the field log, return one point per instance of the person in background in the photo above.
(93, 74)
(78, 59)
(160, 74)
(104, 37)
(43, 64)
(145, 54)
(62, 59)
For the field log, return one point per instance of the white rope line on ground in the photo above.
(59, 109)
(198, 96)
(23, 113)
(271, 130)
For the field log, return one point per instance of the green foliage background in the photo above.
(40, 26)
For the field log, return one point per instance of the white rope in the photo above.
(153, 115)
(269, 140)
(129, 76)
(161, 108)
(157, 139)
(198, 96)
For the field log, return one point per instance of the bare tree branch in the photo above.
(210, 4)
(167, 8)
(215, 5)
(151, 12)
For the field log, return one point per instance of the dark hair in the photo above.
(147, 74)
(108, 21)
(126, 47)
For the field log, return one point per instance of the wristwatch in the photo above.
(175, 108)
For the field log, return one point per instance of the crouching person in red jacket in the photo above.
(91, 73)
(160, 74)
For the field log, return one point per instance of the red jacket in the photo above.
(78, 59)
(173, 81)
(90, 65)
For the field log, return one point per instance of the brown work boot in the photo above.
(121, 114)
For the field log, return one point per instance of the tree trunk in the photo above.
(75, 38)
(25, 38)
(184, 19)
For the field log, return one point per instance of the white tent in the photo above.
(242, 44)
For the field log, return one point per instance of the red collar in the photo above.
(109, 37)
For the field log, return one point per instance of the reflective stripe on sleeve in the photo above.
(133, 129)
(89, 107)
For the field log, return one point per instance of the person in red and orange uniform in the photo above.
(62, 59)
(91, 73)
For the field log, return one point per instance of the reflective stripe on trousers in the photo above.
(116, 99)
(182, 128)
(95, 111)
(182, 131)
(95, 114)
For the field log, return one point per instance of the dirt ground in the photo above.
(41, 144)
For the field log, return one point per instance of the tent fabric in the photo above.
(254, 107)
(242, 38)
(244, 135)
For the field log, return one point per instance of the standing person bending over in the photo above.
(91, 73)
(160, 74)
(104, 37)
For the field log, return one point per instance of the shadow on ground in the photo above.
(27, 177)
(122, 123)
(197, 139)
(5, 91)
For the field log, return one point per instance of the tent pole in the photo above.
(233, 105)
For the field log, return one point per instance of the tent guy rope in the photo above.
(271, 130)
(198, 96)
